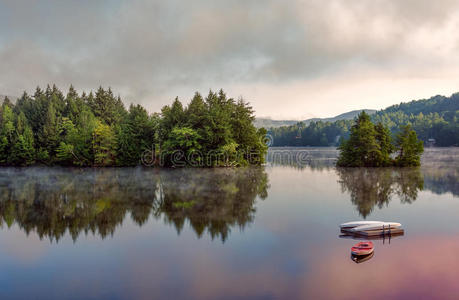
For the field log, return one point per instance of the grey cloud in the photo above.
(145, 48)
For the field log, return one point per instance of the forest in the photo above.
(436, 118)
(95, 129)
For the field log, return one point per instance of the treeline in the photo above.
(435, 118)
(96, 129)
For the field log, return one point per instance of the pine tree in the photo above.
(6, 132)
(104, 145)
(22, 150)
(408, 147)
(362, 148)
(134, 136)
(49, 136)
(384, 139)
(106, 107)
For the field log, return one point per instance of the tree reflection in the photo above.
(370, 187)
(214, 200)
(54, 201)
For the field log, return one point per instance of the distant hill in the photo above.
(270, 123)
(435, 120)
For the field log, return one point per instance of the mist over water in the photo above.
(258, 232)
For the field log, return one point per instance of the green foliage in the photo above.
(409, 148)
(220, 128)
(107, 107)
(182, 142)
(135, 135)
(96, 130)
(435, 118)
(384, 140)
(363, 148)
(6, 132)
(65, 153)
(371, 146)
(104, 145)
(22, 151)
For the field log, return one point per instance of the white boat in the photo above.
(377, 226)
(349, 225)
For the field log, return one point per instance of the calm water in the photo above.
(255, 233)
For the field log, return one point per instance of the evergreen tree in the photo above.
(383, 137)
(362, 148)
(6, 132)
(89, 130)
(70, 138)
(171, 116)
(22, 151)
(134, 136)
(408, 147)
(181, 143)
(104, 145)
(371, 146)
(7, 101)
(49, 136)
(106, 107)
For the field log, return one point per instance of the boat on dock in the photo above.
(354, 224)
(372, 228)
(377, 226)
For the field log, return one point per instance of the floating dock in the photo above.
(375, 233)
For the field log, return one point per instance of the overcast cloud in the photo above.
(289, 58)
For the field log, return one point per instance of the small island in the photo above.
(371, 145)
(95, 129)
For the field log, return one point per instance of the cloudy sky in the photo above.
(289, 58)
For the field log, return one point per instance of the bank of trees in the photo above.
(96, 129)
(435, 118)
(371, 145)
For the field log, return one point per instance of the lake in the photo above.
(266, 232)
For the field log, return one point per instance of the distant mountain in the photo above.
(435, 120)
(269, 123)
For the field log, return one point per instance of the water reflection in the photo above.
(373, 187)
(382, 237)
(52, 201)
(212, 200)
(315, 158)
(370, 187)
(442, 179)
(362, 258)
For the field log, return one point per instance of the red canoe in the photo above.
(362, 248)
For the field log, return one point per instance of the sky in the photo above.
(291, 59)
